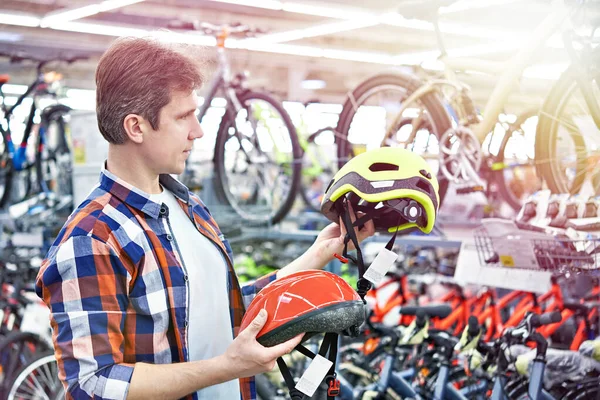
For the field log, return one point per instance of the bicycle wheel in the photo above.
(17, 350)
(258, 160)
(567, 144)
(38, 380)
(371, 109)
(514, 170)
(54, 163)
(318, 167)
(6, 171)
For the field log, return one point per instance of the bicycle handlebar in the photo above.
(440, 311)
(545, 319)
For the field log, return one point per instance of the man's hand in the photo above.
(246, 357)
(331, 238)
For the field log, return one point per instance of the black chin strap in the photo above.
(328, 349)
(362, 285)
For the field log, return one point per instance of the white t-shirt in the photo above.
(209, 327)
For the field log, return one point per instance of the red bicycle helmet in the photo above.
(306, 302)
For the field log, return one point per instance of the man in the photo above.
(144, 300)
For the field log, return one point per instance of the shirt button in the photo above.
(186, 278)
(169, 237)
(163, 211)
(186, 323)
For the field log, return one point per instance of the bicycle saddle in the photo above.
(561, 366)
(422, 9)
(4, 78)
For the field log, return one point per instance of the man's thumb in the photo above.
(257, 323)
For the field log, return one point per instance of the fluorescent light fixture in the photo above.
(10, 18)
(329, 12)
(545, 71)
(100, 29)
(268, 4)
(64, 15)
(319, 30)
(463, 5)
(9, 88)
(313, 84)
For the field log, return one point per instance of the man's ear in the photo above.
(135, 126)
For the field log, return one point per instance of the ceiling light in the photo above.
(313, 81)
(463, 5)
(545, 71)
(329, 12)
(18, 19)
(269, 4)
(64, 15)
(100, 29)
(319, 30)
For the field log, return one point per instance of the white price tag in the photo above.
(380, 266)
(314, 375)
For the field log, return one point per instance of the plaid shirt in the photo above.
(117, 291)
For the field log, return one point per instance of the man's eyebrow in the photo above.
(185, 113)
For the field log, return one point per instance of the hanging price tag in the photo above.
(314, 375)
(380, 266)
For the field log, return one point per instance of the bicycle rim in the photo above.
(319, 165)
(568, 151)
(38, 380)
(515, 171)
(6, 172)
(374, 107)
(258, 160)
(54, 166)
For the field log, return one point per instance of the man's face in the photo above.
(167, 148)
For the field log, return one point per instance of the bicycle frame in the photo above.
(221, 80)
(18, 155)
(511, 72)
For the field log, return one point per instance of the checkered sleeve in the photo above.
(86, 284)
(252, 289)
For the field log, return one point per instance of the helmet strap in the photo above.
(328, 349)
(362, 285)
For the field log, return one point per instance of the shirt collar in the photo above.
(137, 198)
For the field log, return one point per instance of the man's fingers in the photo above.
(285, 347)
(257, 323)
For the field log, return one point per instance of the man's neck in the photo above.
(132, 170)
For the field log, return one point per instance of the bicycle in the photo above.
(437, 117)
(569, 121)
(53, 160)
(257, 157)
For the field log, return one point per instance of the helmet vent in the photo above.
(378, 167)
(424, 186)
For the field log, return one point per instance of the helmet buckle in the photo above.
(333, 388)
(342, 259)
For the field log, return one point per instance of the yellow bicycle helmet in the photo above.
(393, 186)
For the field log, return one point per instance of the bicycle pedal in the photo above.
(470, 189)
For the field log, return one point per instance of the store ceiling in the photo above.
(340, 41)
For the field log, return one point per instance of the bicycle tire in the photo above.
(546, 137)
(498, 176)
(439, 119)
(303, 189)
(14, 354)
(221, 181)
(46, 380)
(6, 171)
(45, 155)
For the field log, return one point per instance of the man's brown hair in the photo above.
(137, 76)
